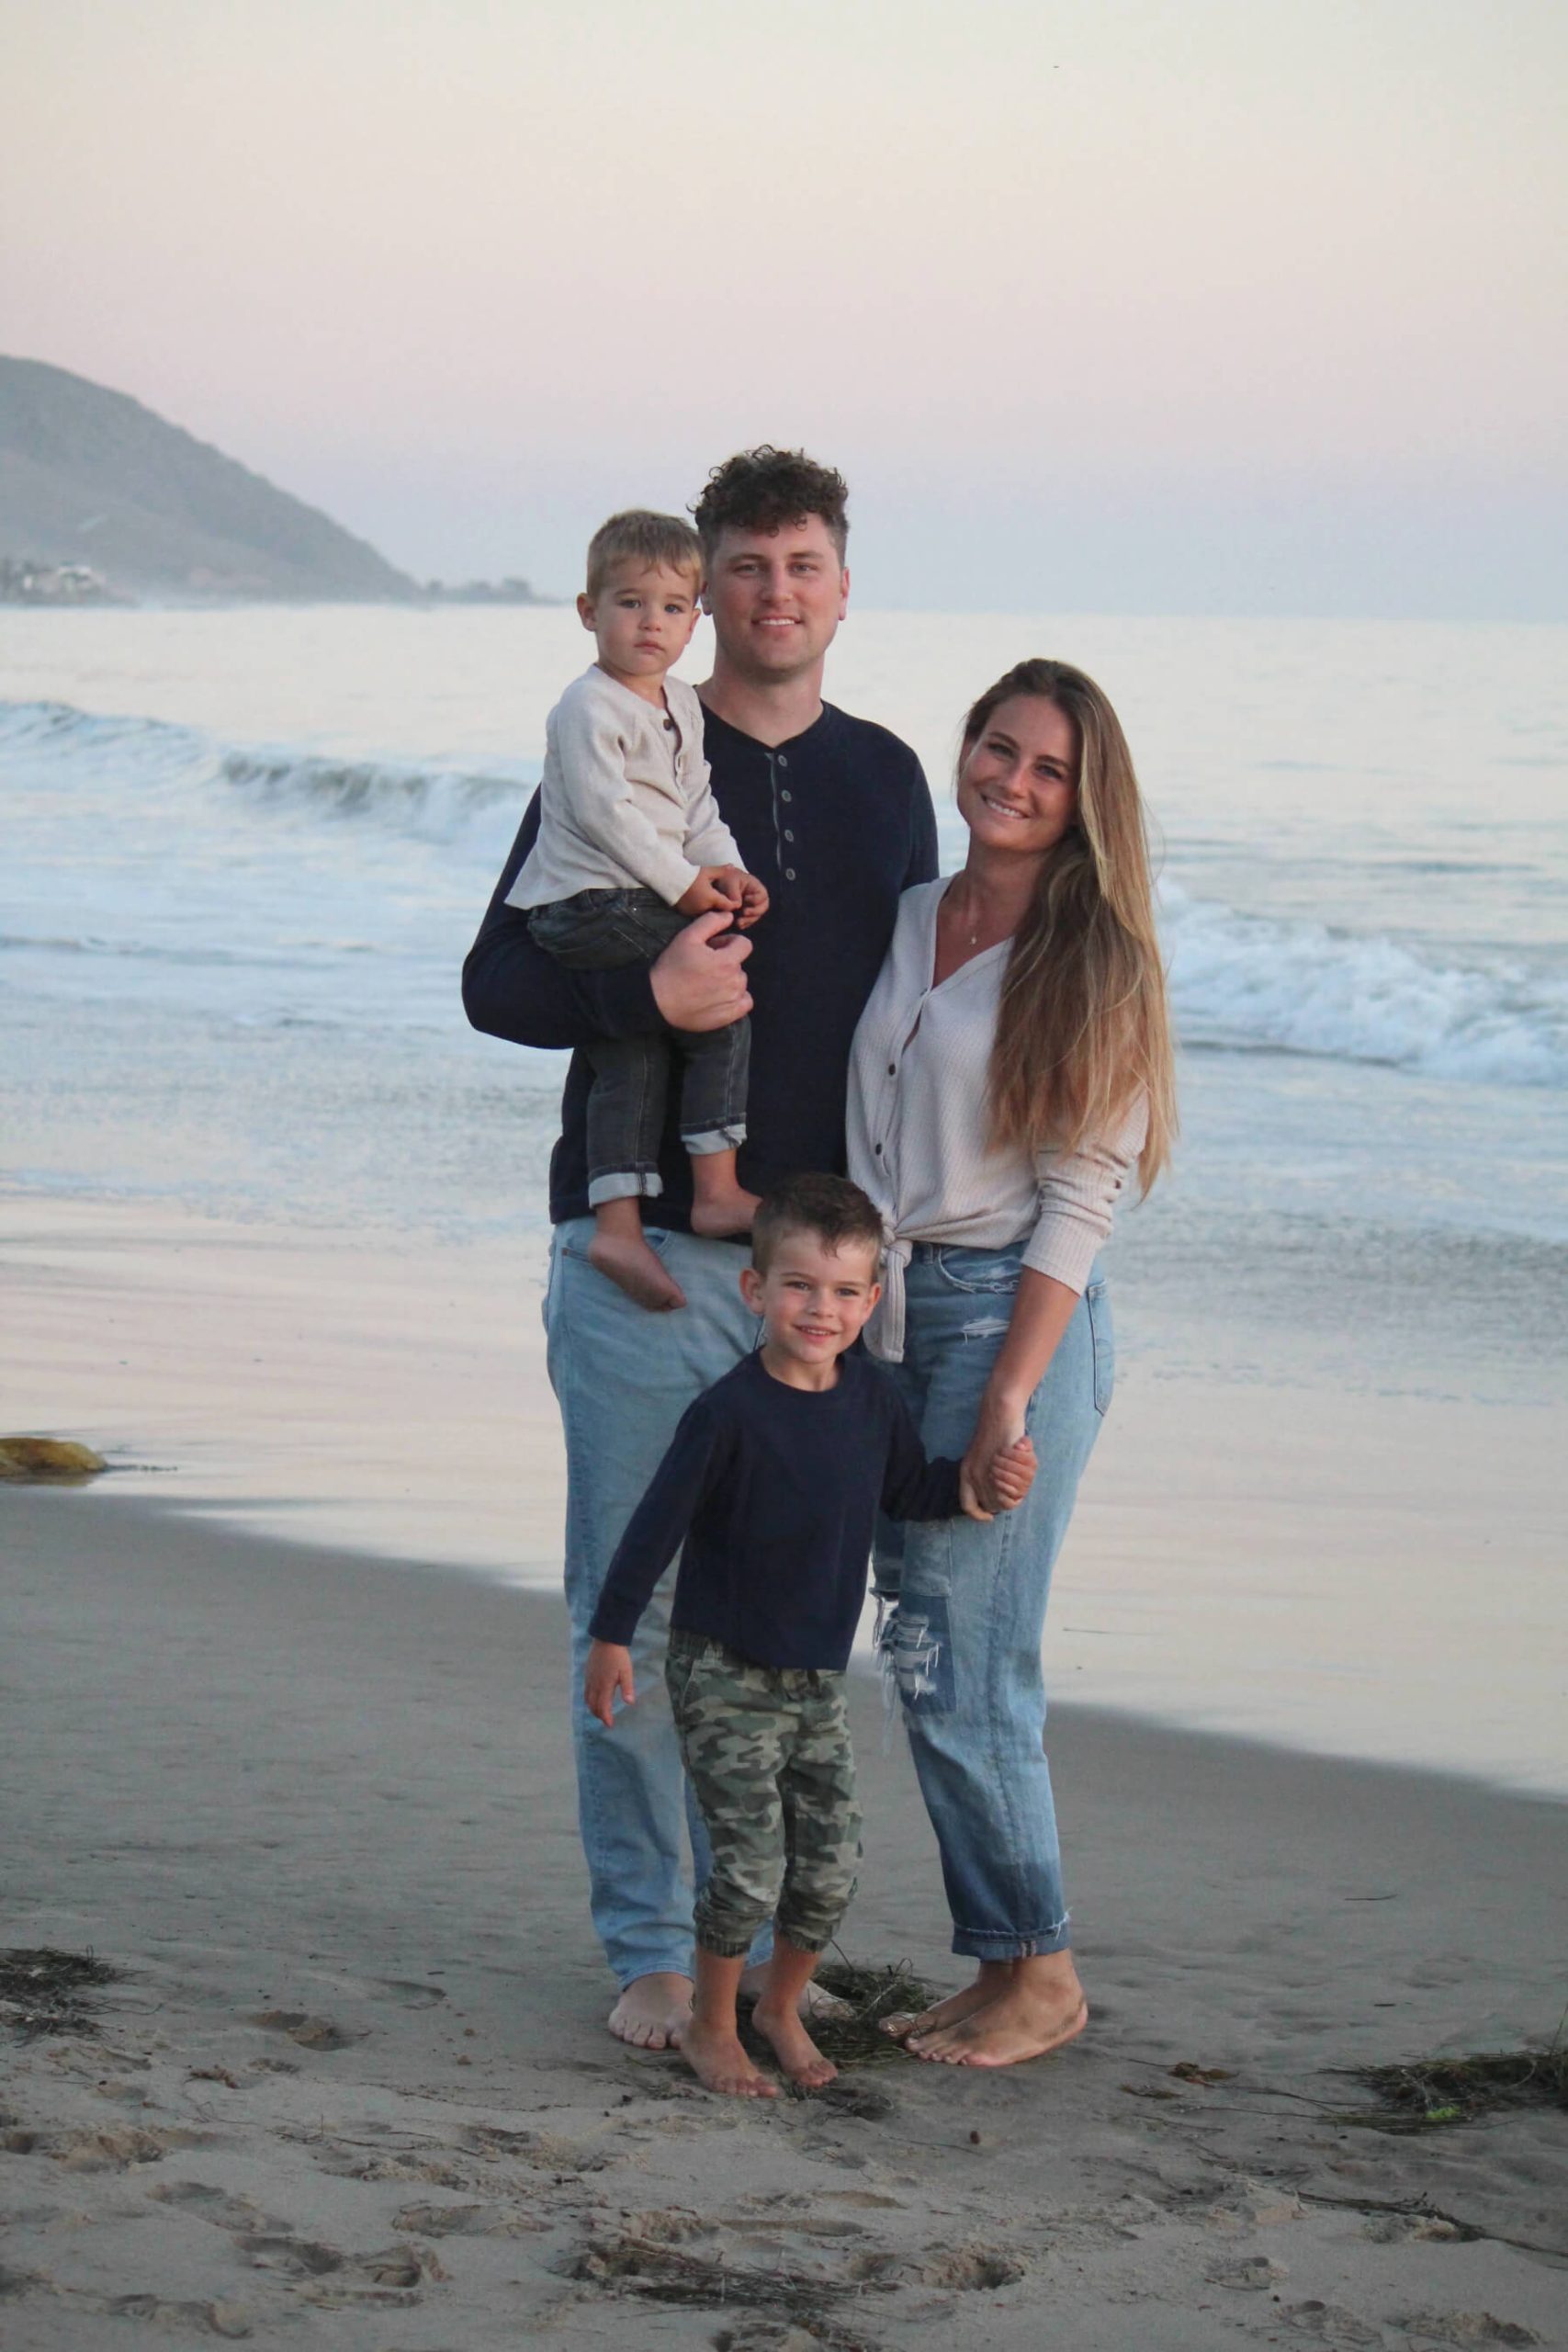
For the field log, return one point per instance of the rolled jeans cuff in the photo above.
(973, 1943)
(629, 1184)
(711, 1139)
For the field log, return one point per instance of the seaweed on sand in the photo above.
(629, 2264)
(40, 1992)
(873, 1993)
(1425, 2094)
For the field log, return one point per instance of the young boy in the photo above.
(630, 847)
(773, 1483)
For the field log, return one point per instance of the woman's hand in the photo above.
(999, 1429)
(609, 1670)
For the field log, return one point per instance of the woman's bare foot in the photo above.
(628, 1262)
(1042, 2007)
(721, 1212)
(792, 2046)
(653, 2012)
(715, 2056)
(992, 1978)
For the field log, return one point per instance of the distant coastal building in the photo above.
(24, 581)
(510, 591)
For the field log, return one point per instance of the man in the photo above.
(834, 816)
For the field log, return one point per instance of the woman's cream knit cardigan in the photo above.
(918, 1123)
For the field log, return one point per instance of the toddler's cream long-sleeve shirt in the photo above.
(919, 1122)
(625, 800)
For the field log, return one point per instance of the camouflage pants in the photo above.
(767, 1751)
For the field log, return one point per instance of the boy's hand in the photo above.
(715, 887)
(753, 901)
(1012, 1473)
(609, 1669)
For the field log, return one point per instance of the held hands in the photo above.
(609, 1670)
(1000, 1483)
(728, 888)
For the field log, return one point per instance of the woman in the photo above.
(1011, 1070)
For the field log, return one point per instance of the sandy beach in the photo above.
(350, 2087)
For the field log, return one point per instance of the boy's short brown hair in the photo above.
(763, 489)
(642, 537)
(834, 1211)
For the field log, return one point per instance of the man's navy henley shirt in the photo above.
(774, 1492)
(837, 822)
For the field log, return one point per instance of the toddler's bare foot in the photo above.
(715, 2056)
(654, 2011)
(720, 1212)
(635, 1268)
(792, 2046)
(992, 1978)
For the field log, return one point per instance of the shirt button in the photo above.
(877, 1149)
(892, 1069)
(783, 795)
(788, 835)
(782, 761)
(789, 874)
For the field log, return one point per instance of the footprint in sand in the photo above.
(100, 2151)
(973, 2267)
(310, 2032)
(215, 2205)
(468, 2221)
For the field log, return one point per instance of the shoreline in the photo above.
(353, 2082)
(1355, 1575)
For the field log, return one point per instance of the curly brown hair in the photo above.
(763, 489)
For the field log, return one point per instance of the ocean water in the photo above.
(246, 852)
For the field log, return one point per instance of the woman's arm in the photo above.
(1042, 1310)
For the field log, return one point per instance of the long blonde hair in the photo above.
(1082, 1028)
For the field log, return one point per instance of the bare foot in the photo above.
(792, 2046)
(992, 1978)
(1034, 2015)
(815, 2001)
(636, 1269)
(715, 2056)
(653, 2012)
(719, 1214)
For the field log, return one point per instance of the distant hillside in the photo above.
(89, 476)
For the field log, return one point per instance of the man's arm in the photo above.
(512, 990)
(923, 865)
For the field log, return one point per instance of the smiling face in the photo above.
(1017, 783)
(642, 621)
(776, 597)
(814, 1301)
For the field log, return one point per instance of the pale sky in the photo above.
(1227, 306)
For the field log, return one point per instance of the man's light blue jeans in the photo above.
(963, 1639)
(623, 1378)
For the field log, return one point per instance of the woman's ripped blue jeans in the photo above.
(961, 1637)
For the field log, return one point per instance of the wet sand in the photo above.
(353, 2088)
(1354, 1573)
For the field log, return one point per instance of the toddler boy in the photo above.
(630, 847)
(773, 1484)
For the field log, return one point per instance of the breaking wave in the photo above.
(1251, 983)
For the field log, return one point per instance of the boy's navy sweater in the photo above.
(774, 1492)
(837, 823)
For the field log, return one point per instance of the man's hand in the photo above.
(609, 1669)
(698, 982)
